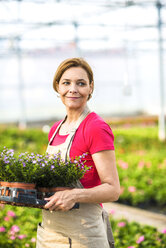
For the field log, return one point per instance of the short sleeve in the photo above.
(99, 137)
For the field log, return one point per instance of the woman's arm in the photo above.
(108, 191)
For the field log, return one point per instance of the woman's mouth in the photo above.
(72, 97)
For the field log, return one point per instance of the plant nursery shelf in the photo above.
(25, 197)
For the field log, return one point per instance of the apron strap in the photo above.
(56, 130)
(69, 139)
(68, 142)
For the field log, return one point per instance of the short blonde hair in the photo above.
(72, 62)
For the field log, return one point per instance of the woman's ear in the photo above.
(91, 90)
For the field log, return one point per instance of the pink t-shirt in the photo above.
(93, 135)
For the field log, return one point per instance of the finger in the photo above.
(55, 207)
(49, 204)
(48, 198)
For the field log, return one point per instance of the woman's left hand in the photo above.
(61, 200)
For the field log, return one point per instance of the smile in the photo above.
(73, 98)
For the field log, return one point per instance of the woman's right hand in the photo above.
(61, 200)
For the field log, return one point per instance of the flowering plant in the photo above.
(43, 170)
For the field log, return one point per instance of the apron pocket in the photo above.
(49, 239)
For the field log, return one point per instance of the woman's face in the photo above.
(74, 88)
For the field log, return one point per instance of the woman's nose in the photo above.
(73, 88)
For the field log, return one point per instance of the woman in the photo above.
(80, 132)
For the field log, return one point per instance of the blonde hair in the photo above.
(72, 62)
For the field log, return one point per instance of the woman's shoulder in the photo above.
(97, 134)
(94, 121)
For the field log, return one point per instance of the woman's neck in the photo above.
(71, 120)
(73, 115)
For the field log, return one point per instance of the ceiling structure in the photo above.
(28, 27)
(44, 25)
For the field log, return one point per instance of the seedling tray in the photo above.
(25, 197)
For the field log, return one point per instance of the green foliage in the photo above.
(18, 226)
(141, 161)
(57, 172)
(134, 235)
(18, 168)
(31, 140)
(43, 170)
(25, 221)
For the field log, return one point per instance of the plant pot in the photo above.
(51, 190)
(5, 191)
(20, 185)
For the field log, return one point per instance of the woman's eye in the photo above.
(66, 83)
(81, 83)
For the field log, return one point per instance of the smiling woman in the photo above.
(81, 132)
(74, 63)
(74, 88)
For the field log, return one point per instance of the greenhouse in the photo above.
(124, 41)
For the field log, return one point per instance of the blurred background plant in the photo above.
(141, 160)
(18, 229)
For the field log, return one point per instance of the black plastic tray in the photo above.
(25, 197)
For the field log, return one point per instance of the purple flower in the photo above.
(121, 224)
(132, 189)
(84, 155)
(164, 231)
(141, 239)
(2, 229)
(33, 240)
(12, 237)
(21, 236)
(15, 228)
(112, 211)
(9, 151)
(11, 213)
